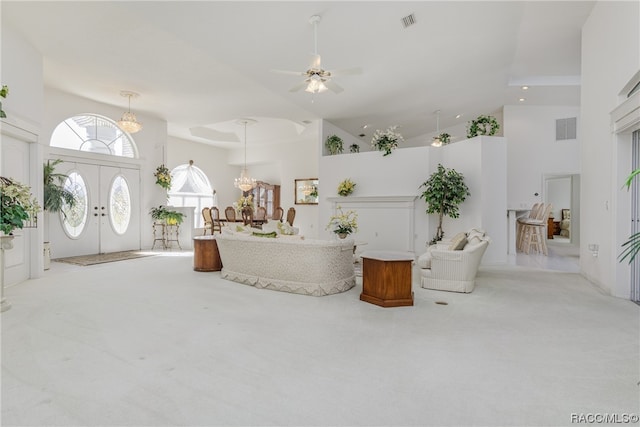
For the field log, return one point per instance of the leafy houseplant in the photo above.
(17, 205)
(386, 141)
(631, 246)
(162, 214)
(444, 191)
(3, 93)
(344, 223)
(444, 138)
(55, 195)
(346, 187)
(483, 125)
(354, 148)
(334, 144)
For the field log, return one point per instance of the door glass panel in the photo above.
(74, 218)
(120, 205)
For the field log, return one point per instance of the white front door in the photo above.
(107, 215)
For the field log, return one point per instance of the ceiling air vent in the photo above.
(566, 129)
(408, 20)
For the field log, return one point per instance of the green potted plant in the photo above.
(354, 148)
(334, 144)
(161, 214)
(17, 205)
(631, 248)
(387, 140)
(344, 223)
(346, 187)
(56, 197)
(483, 125)
(444, 191)
(4, 91)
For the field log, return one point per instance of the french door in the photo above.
(106, 217)
(635, 214)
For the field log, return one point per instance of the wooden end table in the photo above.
(386, 278)
(205, 254)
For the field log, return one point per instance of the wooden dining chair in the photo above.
(230, 214)
(278, 213)
(216, 225)
(291, 215)
(261, 215)
(247, 216)
(208, 222)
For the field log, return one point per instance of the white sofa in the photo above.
(288, 263)
(446, 269)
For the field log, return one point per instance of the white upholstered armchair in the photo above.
(448, 269)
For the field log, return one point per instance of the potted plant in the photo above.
(444, 138)
(354, 148)
(161, 214)
(483, 125)
(444, 191)
(163, 177)
(334, 144)
(387, 140)
(631, 246)
(17, 205)
(344, 223)
(56, 196)
(3, 93)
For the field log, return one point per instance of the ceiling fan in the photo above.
(317, 79)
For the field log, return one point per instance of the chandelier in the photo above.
(245, 182)
(128, 122)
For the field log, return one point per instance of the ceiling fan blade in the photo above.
(346, 71)
(315, 61)
(291, 73)
(332, 86)
(298, 86)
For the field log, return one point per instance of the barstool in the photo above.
(534, 232)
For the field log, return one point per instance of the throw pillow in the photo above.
(257, 234)
(424, 261)
(285, 228)
(457, 244)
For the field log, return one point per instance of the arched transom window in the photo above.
(190, 186)
(94, 133)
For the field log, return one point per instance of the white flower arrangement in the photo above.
(386, 141)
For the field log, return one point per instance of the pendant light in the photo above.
(245, 182)
(128, 122)
(437, 142)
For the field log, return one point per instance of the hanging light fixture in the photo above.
(245, 182)
(437, 142)
(128, 122)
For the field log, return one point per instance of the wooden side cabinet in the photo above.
(266, 195)
(386, 278)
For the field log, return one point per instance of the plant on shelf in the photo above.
(161, 214)
(163, 177)
(344, 223)
(346, 187)
(354, 148)
(444, 191)
(4, 91)
(483, 125)
(334, 144)
(17, 205)
(387, 140)
(631, 248)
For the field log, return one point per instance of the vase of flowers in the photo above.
(387, 140)
(17, 205)
(344, 223)
(346, 187)
(163, 177)
(244, 202)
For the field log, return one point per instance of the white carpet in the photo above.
(150, 342)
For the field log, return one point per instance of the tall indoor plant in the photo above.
(631, 246)
(444, 191)
(56, 197)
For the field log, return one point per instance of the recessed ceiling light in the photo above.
(525, 87)
(365, 126)
(458, 116)
(522, 100)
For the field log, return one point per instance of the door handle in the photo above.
(104, 214)
(95, 214)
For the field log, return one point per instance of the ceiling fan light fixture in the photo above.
(316, 85)
(128, 121)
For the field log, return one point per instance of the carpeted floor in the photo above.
(102, 258)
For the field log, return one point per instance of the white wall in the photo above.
(610, 57)
(533, 151)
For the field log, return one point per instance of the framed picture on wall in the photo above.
(306, 191)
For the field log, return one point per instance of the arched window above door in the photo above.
(95, 134)
(190, 186)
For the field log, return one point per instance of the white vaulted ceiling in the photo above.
(201, 65)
